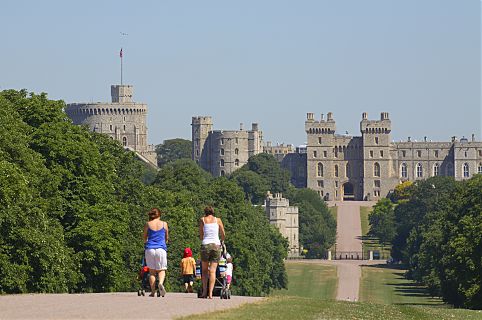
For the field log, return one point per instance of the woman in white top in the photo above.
(210, 230)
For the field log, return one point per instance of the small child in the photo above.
(188, 269)
(229, 269)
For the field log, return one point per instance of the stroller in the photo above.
(221, 285)
(143, 277)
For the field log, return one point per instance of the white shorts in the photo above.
(156, 259)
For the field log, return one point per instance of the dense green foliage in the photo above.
(73, 204)
(263, 173)
(439, 237)
(382, 221)
(173, 149)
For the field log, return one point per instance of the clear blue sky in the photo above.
(267, 61)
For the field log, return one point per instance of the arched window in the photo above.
(336, 170)
(221, 151)
(222, 173)
(124, 141)
(236, 151)
(480, 168)
(319, 171)
(221, 163)
(466, 170)
(419, 170)
(436, 169)
(376, 169)
(236, 162)
(347, 170)
(404, 172)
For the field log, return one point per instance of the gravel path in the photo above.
(111, 306)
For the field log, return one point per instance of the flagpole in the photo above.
(121, 64)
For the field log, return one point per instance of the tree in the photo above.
(173, 149)
(382, 221)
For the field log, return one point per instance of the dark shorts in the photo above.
(210, 252)
(188, 278)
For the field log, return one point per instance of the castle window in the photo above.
(315, 154)
(376, 169)
(435, 153)
(124, 128)
(480, 153)
(419, 153)
(381, 153)
(336, 152)
(371, 153)
(221, 163)
(110, 127)
(320, 183)
(197, 153)
(221, 151)
(376, 140)
(376, 183)
(436, 170)
(222, 173)
(236, 162)
(124, 141)
(347, 170)
(336, 171)
(124, 119)
(336, 184)
(221, 140)
(236, 151)
(419, 170)
(325, 154)
(404, 153)
(466, 170)
(236, 140)
(319, 171)
(465, 153)
(480, 168)
(319, 140)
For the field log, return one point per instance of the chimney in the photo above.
(409, 139)
(241, 126)
(329, 116)
(310, 116)
(254, 126)
(425, 138)
(322, 117)
(473, 137)
(364, 116)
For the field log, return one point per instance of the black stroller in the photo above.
(221, 285)
(143, 277)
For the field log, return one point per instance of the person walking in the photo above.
(156, 237)
(188, 269)
(211, 229)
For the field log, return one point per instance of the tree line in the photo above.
(435, 228)
(73, 204)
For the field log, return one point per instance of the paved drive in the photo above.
(348, 239)
(110, 306)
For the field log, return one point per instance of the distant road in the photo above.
(111, 306)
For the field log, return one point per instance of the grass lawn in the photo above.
(302, 301)
(386, 285)
(310, 280)
(371, 243)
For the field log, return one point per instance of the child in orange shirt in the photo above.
(188, 269)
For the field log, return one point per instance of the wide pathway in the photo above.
(349, 239)
(110, 306)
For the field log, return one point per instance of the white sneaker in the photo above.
(162, 290)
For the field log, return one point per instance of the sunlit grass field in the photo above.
(303, 301)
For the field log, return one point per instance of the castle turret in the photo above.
(201, 127)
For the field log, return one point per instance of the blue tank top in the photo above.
(156, 239)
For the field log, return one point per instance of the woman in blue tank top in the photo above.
(156, 236)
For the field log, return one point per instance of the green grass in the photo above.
(310, 280)
(387, 285)
(371, 243)
(334, 212)
(303, 301)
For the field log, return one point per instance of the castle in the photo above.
(285, 218)
(341, 167)
(221, 152)
(123, 120)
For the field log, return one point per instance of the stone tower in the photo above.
(378, 166)
(221, 152)
(285, 218)
(123, 120)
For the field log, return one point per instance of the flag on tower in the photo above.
(120, 53)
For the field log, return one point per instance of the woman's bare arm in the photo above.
(221, 229)
(144, 236)
(201, 229)
(167, 231)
